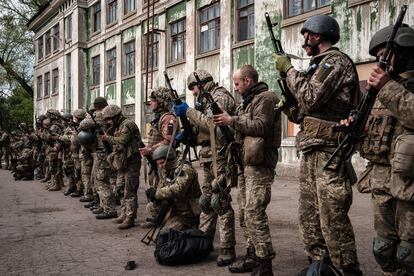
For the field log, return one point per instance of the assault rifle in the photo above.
(290, 104)
(234, 150)
(346, 148)
(99, 130)
(151, 162)
(189, 136)
(158, 224)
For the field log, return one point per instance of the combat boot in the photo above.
(119, 219)
(127, 223)
(69, 191)
(45, 179)
(77, 193)
(97, 211)
(85, 199)
(105, 215)
(226, 257)
(263, 268)
(246, 264)
(89, 204)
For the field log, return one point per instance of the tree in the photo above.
(16, 108)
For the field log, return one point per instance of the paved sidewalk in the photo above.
(46, 233)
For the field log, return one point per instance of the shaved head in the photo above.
(248, 71)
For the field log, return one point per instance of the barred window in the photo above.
(209, 28)
(177, 40)
(111, 64)
(96, 70)
(129, 59)
(245, 16)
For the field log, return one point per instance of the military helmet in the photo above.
(161, 153)
(204, 76)
(79, 114)
(53, 113)
(54, 129)
(404, 38)
(86, 124)
(86, 138)
(100, 103)
(67, 116)
(47, 122)
(41, 117)
(111, 111)
(324, 25)
(162, 95)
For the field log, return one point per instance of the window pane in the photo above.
(308, 5)
(294, 7)
(324, 2)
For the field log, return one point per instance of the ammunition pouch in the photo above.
(319, 129)
(253, 150)
(403, 161)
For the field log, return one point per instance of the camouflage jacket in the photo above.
(202, 120)
(329, 92)
(257, 119)
(183, 194)
(159, 134)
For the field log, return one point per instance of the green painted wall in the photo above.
(203, 3)
(128, 91)
(242, 56)
(176, 12)
(110, 93)
(128, 34)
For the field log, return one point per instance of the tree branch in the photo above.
(14, 75)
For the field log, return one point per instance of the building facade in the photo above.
(119, 49)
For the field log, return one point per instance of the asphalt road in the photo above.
(46, 233)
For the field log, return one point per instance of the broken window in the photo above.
(209, 28)
(96, 17)
(112, 11)
(296, 7)
(111, 63)
(96, 70)
(129, 59)
(178, 40)
(245, 26)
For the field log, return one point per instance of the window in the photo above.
(96, 70)
(178, 35)
(245, 15)
(39, 87)
(56, 37)
(55, 81)
(47, 84)
(40, 48)
(210, 28)
(129, 59)
(68, 28)
(96, 17)
(112, 11)
(152, 51)
(48, 40)
(111, 63)
(296, 7)
(129, 6)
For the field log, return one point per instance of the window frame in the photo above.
(96, 17)
(111, 65)
(156, 49)
(201, 23)
(46, 90)
(39, 87)
(40, 42)
(181, 39)
(56, 37)
(317, 7)
(128, 55)
(96, 70)
(68, 28)
(109, 6)
(55, 81)
(48, 43)
(126, 12)
(238, 17)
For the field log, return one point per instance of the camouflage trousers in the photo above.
(55, 170)
(86, 171)
(129, 203)
(324, 201)
(393, 218)
(254, 194)
(208, 220)
(77, 173)
(4, 151)
(102, 174)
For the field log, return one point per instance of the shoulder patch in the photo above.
(323, 71)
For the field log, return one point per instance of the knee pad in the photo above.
(405, 256)
(385, 253)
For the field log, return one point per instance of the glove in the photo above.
(150, 193)
(283, 63)
(180, 109)
(180, 136)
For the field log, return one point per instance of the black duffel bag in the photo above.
(174, 247)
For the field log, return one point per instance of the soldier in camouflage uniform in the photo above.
(68, 164)
(258, 130)
(201, 119)
(390, 123)
(325, 95)
(25, 164)
(86, 160)
(4, 148)
(178, 190)
(125, 159)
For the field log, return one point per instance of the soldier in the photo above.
(160, 133)
(201, 119)
(4, 149)
(390, 126)
(258, 130)
(125, 159)
(178, 190)
(325, 95)
(25, 164)
(68, 165)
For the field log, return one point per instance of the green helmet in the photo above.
(68, 116)
(217, 204)
(404, 38)
(163, 96)
(111, 111)
(53, 113)
(323, 25)
(86, 138)
(100, 103)
(79, 114)
(161, 153)
(204, 76)
(86, 124)
(47, 122)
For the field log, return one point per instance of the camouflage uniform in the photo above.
(54, 158)
(201, 119)
(257, 123)
(86, 161)
(392, 194)
(182, 195)
(324, 97)
(126, 160)
(68, 160)
(4, 149)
